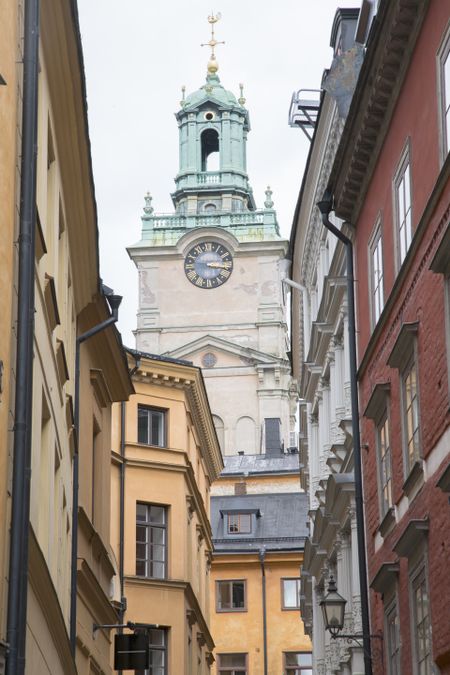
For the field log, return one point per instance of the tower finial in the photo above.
(241, 99)
(269, 201)
(213, 66)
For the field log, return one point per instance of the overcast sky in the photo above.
(139, 53)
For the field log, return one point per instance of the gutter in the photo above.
(21, 477)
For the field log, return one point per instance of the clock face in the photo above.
(208, 264)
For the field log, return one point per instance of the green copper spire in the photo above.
(212, 186)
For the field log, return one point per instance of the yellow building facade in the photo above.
(48, 627)
(258, 520)
(165, 457)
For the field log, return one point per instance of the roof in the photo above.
(279, 522)
(247, 465)
(157, 357)
(213, 91)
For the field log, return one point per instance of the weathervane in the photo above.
(213, 65)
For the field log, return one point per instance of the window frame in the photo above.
(159, 648)
(393, 651)
(442, 56)
(384, 421)
(285, 607)
(222, 610)
(420, 572)
(404, 165)
(410, 365)
(230, 670)
(164, 426)
(376, 240)
(231, 516)
(150, 526)
(297, 669)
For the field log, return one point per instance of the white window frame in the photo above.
(376, 273)
(443, 62)
(402, 187)
(393, 648)
(412, 405)
(384, 457)
(160, 415)
(417, 577)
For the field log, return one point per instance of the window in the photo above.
(290, 589)
(444, 91)
(232, 664)
(298, 663)
(151, 426)
(393, 640)
(410, 403)
(404, 357)
(239, 523)
(422, 624)
(403, 207)
(376, 273)
(230, 596)
(384, 464)
(151, 540)
(157, 652)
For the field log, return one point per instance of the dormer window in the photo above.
(239, 523)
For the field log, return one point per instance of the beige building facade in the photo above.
(48, 627)
(165, 457)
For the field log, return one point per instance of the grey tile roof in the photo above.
(282, 524)
(240, 465)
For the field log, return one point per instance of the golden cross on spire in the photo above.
(213, 42)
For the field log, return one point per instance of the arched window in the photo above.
(210, 150)
(246, 436)
(220, 431)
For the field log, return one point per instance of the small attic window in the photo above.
(210, 150)
(209, 116)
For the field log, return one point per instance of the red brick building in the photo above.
(391, 182)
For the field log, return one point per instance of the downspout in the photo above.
(21, 473)
(122, 509)
(325, 207)
(262, 555)
(114, 302)
(122, 516)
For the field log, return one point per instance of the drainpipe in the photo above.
(122, 509)
(262, 555)
(325, 207)
(114, 302)
(21, 473)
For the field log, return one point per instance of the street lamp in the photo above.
(333, 608)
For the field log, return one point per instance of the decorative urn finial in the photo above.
(241, 99)
(269, 201)
(183, 95)
(148, 208)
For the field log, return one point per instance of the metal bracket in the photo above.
(132, 625)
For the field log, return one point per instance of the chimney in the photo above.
(272, 429)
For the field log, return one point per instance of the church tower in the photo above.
(210, 276)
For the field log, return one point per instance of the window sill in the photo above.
(414, 480)
(387, 522)
(227, 611)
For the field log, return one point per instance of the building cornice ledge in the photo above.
(397, 26)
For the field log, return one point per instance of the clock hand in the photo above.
(216, 265)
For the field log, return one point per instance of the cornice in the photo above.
(188, 378)
(195, 616)
(388, 55)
